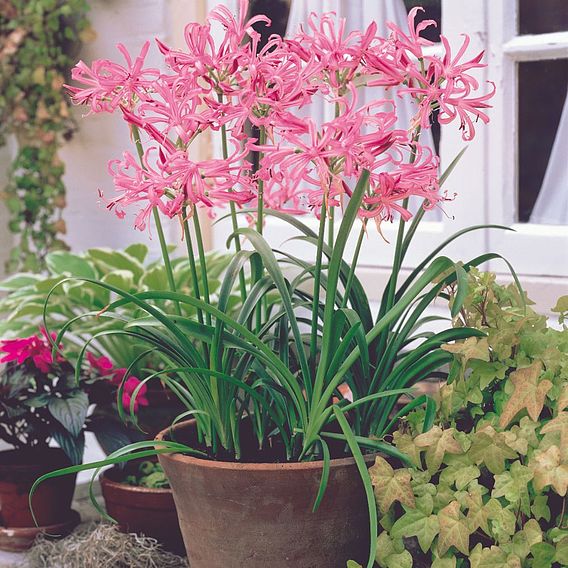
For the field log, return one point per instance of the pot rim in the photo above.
(119, 486)
(252, 466)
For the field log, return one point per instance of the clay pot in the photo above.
(51, 501)
(260, 514)
(142, 510)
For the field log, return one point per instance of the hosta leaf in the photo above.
(391, 485)
(453, 529)
(415, 523)
(71, 411)
(437, 443)
(548, 470)
(529, 393)
(62, 262)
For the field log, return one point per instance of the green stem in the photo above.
(330, 227)
(316, 299)
(202, 262)
(193, 270)
(163, 245)
(233, 209)
(353, 266)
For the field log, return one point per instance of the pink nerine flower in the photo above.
(35, 347)
(109, 85)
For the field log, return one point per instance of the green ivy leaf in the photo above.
(543, 554)
(436, 443)
(513, 485)
(391, 485)
(453, 529)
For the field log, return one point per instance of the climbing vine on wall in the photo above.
(39, 40)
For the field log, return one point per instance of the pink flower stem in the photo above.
(157, 220)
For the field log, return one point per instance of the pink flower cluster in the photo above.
(103, 366)
(36, 348)
(304, 165)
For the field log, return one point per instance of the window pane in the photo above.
(542, 16)
(433, 11)
(542, 143)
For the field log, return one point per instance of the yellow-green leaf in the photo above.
(453, 529)
(391, 485)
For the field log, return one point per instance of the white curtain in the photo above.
(358, 15)
(551, 207)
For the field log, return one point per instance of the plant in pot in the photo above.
(40, 402)
(490, 478)
(290, 395)
(148, 510)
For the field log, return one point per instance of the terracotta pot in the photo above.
(260, 514)
(52, 499)
(142, 510)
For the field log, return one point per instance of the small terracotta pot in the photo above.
(260, 514)
(51, 501)
(142, 510)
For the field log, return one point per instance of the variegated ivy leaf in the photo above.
(492, 557)
(459, 472)
(549, 470)
(391, 485)
(523, 540)
(490, 448)
(437, 443)
(522, 436)
(446, 562)
(539, 508)
(561, 555)
(479, 513)
(453, 529)
(471, 348)
(405, 443)
(391, 553)
(559, 425)
(504, 526)
(529, 393)
(513, 485)
(414, 522)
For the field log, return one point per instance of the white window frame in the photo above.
(484, 180)
(533, 249)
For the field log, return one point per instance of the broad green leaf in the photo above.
(543, 554)
(68, 264)
(71, 411)
(137, 250)
(17, 281)
(489, 448)
(391, 485)
(561, 555)
(523, 540)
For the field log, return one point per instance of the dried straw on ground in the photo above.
(99, 545)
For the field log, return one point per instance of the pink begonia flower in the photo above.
(35, 347)
(109, 84)
(102, 364)
(128, 389)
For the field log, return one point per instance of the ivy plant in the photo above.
(38, 44)
(490, 479)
